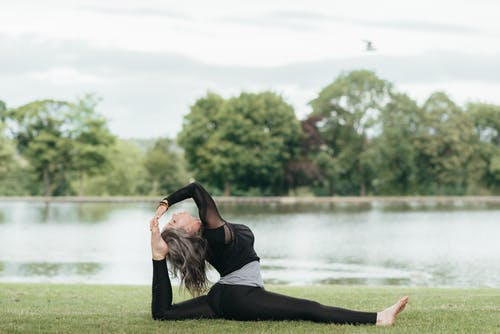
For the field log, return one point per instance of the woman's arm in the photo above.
(162, 288)
(207, 210)
(159, 247)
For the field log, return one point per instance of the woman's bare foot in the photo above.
(159, 247)
(388, 316)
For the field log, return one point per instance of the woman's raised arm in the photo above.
(207, 210)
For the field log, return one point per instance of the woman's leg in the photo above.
(251, 303)
(161, 304)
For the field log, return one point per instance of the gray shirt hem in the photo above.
(248, 275)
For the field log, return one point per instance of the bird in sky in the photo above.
(369, 46)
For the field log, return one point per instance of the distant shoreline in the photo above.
(267, 200)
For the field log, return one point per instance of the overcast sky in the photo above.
(150, 60)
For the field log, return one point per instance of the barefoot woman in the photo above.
(186, 242)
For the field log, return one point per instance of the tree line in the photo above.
(362, 137)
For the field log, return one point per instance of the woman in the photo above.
(186, 242)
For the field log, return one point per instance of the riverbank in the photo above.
(452, 200)
(46, 308)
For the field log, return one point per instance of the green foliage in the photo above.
(393, 152)
(486, 120)
(349, 109)
(126, 174)
(60, 139)
(382, 142)
(91, 140)
(7, 163)
(244, 141)
(43, 141)
(362, 137)
(200, 140)
(3, 110)
(446, 145)
(6, 152)
(16, 178)
(165, 167)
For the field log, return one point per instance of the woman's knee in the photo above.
(165, 314)
(156, 316)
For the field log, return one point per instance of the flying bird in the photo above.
(369, 46)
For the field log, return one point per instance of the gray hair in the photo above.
(187, 254)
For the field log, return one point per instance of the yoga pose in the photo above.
(186, 242)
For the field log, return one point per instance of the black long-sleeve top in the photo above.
(230, 246)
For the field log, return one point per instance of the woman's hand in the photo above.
(160, 211)
(159, 247)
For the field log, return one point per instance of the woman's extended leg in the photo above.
(161, 304)
(250, 303)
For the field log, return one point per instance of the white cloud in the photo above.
(66, 75)
(460, 91)
(150, 60)
(258, 33)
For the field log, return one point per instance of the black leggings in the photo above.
(240, 302)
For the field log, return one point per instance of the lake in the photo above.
(406, 244)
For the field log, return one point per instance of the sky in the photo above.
(150, 60)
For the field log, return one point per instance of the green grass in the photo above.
(47, 308)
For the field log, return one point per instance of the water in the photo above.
(368, 244)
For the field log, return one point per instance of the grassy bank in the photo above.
(39, 308)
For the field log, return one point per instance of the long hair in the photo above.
(187, 254)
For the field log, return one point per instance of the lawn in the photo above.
(51, 308)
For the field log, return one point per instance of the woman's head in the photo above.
(187, 251)
(183, 220)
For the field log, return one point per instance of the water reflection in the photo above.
(88, 213)
(433, 206)
(244, 209)
(366, 281)
(49, 269)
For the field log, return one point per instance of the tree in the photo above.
(6, 151)
(126, 174)
(59, 138)
(3, 110)
(305, 170)
(486, 120)
(6, 158)
(346, 111)
(199, 136)
(91, 140)
(243, 142)
(39, 135)
(394, 151)
(15, 176)
(165, 167)
(446, 143)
